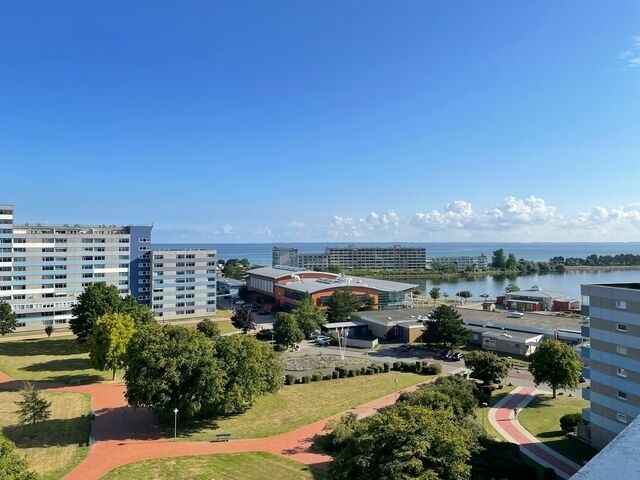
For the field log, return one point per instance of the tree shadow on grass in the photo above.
(47, 346)
(50, 433)
(62, 365)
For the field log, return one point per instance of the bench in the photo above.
(223, 437)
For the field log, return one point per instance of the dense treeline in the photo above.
(621, 259)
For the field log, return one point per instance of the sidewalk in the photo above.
(501, 418)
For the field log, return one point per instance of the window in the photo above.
(621, 417)
(621, 327)
(621, 304)
(621, 349)
(622, 372)
(622, 395)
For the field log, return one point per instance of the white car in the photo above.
(515, 314)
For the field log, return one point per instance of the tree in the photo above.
(96, 300)
(367, 302)
(452, 393)
(434, 293)
(405, 442)
(48, 330)
(12, 465)
(556, 364)
(511, 288)
(464, 294)
(446, 327)
(173, 367)
(486, 366)
(341, 305)
(33, 407)
(8, 322)
(286, 330)
(141, 314)
(251, 370)
(109, 340)
(484, 296)
(511, 263)
(244, 292)
(498, 259)
(242, 319)
(309, 316)
(209, 328)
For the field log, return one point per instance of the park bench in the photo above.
(223, 437)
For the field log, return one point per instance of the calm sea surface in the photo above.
(568, 282)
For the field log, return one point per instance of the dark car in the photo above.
(406, 348)
(445, 354)
(582, 379)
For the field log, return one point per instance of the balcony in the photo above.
(585, 351)
(586, 393)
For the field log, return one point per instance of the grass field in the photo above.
(298, 405)
(542, 418)
(55, 446)
(482, 413)
(48, 359)
(228, 466)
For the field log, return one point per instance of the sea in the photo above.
(567, 282)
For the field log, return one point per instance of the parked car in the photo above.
(406, 347)
(323, 342)
(514, 314)
(314, 335)
(322, 338)
(239, 302)
(446, 353)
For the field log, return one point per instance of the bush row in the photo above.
(423, 368)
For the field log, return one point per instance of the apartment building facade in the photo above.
(611, 320)
(183, 283)
(461, 262)
(43, 268)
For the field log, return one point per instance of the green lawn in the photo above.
(228, 466)
(55, 446)
(542, 418)
(482, 413)
(49, 359)
(298, 405)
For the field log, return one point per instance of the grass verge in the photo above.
(297, 405)
(247, 466)
(482, 413)
(55, 446)
(49, 359)
(542, 418)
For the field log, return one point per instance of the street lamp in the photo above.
(484, 404)
(397, 393)
(175, 424)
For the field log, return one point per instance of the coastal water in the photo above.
(568, 282)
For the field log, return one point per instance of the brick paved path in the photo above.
(501, 418)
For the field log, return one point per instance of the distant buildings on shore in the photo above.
(351, 257)
(43, 269)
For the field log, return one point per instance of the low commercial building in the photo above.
(287, 286)
(537, 300)
(505, 341)
(229, 286)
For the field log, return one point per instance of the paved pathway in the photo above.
(124, 435)
(501, 418)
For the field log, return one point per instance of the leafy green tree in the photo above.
(209, 328)
(242, 319)
(109, 340)
(486, 366)
(48, 330)
(511, 262)
(464, 294)
(556, 364)
(511, 288)
(309, 316)
(498, 259)
(367, 302)
(341, 305)
(235, 268)
(251, 369)
(405, 442)
(33, 407)
(96, 300)
(434, 293)
(286, 330)
(173, 367)
(12, 465)
(8, 322)
(244, 292)
(446, 327)
(141, 314)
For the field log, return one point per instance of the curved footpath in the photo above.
(124, 435)
(501, 418)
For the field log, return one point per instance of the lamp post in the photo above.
(397, 393)
(175, 424)
(484, 404)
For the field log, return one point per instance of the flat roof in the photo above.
(312, 285)
(630, 286)
(529, 322)
(279, 271)
(354, 323)
(537, 294)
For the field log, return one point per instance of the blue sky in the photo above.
(298, 120)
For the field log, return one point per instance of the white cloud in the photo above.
(631, 57)
(296, 224)
(355, 227)
(458, 214)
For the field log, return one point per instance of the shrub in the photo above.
(342, 372)
(570, 421)
(351, 373)
(306, 379)
(289, 379)
(418, 367)
(327, 377)
(386, 367)
(363, 370)
(298, 381)
(369, 371)
(335, 374)
(432, 369)
(396, 366)
(316, 377)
